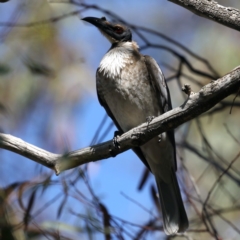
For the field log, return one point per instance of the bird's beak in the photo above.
(104, 26)
(100, 23)
(109, 29)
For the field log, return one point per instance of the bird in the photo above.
(131, 87)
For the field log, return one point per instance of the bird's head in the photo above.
(113, 32)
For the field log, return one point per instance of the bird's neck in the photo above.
(118, 56)
(130, 45)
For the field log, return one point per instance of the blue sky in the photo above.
(120, 174)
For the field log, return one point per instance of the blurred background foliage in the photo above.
(48, 59)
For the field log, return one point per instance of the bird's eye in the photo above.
(118, 30)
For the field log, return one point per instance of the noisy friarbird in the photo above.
(131, 87)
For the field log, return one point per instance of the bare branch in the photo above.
(195, 105)
(28, 150)
(227, 16)
(33, 24)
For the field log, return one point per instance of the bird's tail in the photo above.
(173, 211)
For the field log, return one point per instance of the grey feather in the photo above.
(131, 87)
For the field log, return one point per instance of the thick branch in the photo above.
(196, 104)
(210, 9)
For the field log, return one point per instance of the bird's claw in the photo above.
(187, 89)
(115, 139)
(113, 149)
(149, 119)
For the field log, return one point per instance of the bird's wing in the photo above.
(159, 84)
(102, 101)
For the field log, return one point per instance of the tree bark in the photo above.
(196, 104)
(210, 9)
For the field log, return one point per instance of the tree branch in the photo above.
(210, 9)
(196, 104)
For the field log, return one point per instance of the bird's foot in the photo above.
(113, 149)
(115, 139)
(159, 138)
(187, 89)
(149, 119)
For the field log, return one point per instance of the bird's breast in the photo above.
(125, 87)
